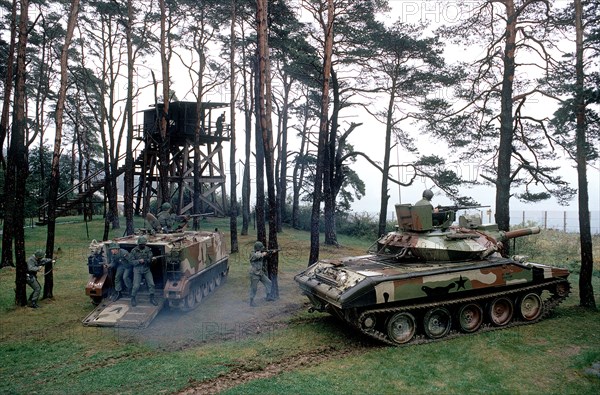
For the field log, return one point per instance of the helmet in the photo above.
(166, 206)
(427, 194)
(39, 254)
(113, 246)
(258, 246)
(142, 240)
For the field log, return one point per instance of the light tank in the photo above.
(186, 267)
(430, 279)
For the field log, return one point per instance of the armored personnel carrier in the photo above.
(186, 267)
(429, 280)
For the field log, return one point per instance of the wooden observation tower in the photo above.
(181, 141)
(181, 135)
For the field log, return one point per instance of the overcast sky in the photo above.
(369, 137)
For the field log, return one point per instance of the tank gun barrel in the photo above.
(520, 233)
(456, 208)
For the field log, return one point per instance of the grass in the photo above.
(279, 348)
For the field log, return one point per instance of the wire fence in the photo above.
(567, 221)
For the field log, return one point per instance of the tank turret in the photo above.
(430, 278)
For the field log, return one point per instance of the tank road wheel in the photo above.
(190, 300)
(198, 294)
(562, 289)
(205, 291)
(218, 279)
(470, 317)
(368, 322)
(211, 285)
(401, 327)
(501, 311)
(437, 323)
(530, 306)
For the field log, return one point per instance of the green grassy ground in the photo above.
(277, 347)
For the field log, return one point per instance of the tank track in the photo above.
(548, 305)
(201, 286)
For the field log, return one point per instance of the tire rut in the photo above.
(243, 374)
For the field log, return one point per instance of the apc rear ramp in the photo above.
(120, 314)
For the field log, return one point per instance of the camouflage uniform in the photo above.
(141, 258)
(257, 272)
(120, 261)
(34, 263)
(166, 219)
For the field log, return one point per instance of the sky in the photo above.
(369, 137)
(451, 12)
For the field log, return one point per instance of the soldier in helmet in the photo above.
(426, 200)
(119, 261)
(166, 218)
(257, 271)
(34, 264)
(141, 258)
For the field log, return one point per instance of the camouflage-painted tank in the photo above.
(186, 267)
(430, 279)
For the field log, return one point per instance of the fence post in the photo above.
(545, 220)
(565, 221)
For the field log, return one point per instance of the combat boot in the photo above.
(34, 305)
(116, 296)
(252, 302)
(133, 301)
(153, 301)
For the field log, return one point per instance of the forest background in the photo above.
(314, 84)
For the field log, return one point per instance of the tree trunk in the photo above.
(322, 143)
(300, 165)
(18, 161)
(163, 167)
(8, 84)
(586, 290)
(129, 170)
(503, 181)
(55, 171)
(232, 161)
(265, 110)
(7, 251)
(385, 197)
(261, 230)
(283, 157)
(329, 173)
(247, 156)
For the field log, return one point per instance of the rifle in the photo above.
(154, 258)
(46, 261)
(188, 216)
(270, 252)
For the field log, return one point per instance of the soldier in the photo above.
(34, 264)
(257, 272)
(220, 122)
(165, 218)
(119, 260)
(426, 200)
(141, 258)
